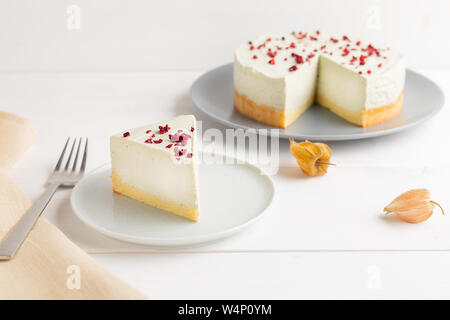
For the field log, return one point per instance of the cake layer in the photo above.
(278, 118)
(127, 190)
(268, 114)
(365, 118)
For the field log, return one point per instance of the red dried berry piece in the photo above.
(380, 65)
(148, 131)
(169, 146)
(334, 40)
(272, 61)
(345, 52)
(323, 47)
(180, 138)
(126, 134)
(345, 38)
(271, 53)
(148, 141)
(370, 49)
(358, 43)
(153, 135)
(179, 152)
(292, 45)
(268, 39)
(313, 38)
(293, 68)
(192, 129)
(189, 155)
(317, 32)
(158, 141)
(369, 71)
(353, 59)
(255, 57)
(252, 47)
(362, 60)
(164, 129)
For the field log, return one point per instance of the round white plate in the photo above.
(213, 94)
(232, 196)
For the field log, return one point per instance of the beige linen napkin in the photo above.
(48, 265)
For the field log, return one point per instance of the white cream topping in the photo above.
(264, 67)
(158, 168)
(171, 135)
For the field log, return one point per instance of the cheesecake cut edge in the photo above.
(129, 191)
(368, 117)
(279, 118)
(267, 114)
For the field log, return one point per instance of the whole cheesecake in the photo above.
(157, 164)
(278, 77)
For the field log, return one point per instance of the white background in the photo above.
(132, 62)
(138, 35)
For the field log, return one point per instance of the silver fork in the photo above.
(61, 177)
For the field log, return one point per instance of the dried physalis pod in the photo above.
(312, 158)
(413, 206)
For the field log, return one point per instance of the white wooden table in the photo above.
(324, 238)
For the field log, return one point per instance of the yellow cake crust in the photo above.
(266, 114)
(365, 118)
(278, 118)
(129, 191)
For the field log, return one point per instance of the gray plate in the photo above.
(224, 206)
(213, 94)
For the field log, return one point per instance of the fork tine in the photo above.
(70, 155)
(83, 163)
(76, 156)
(58, 165)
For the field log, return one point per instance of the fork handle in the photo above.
(18, 233)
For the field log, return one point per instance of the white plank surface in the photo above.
(285, 275)
(342, 210)
(285, 255)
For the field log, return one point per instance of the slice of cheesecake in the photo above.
(277, 77)
(157, 165)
